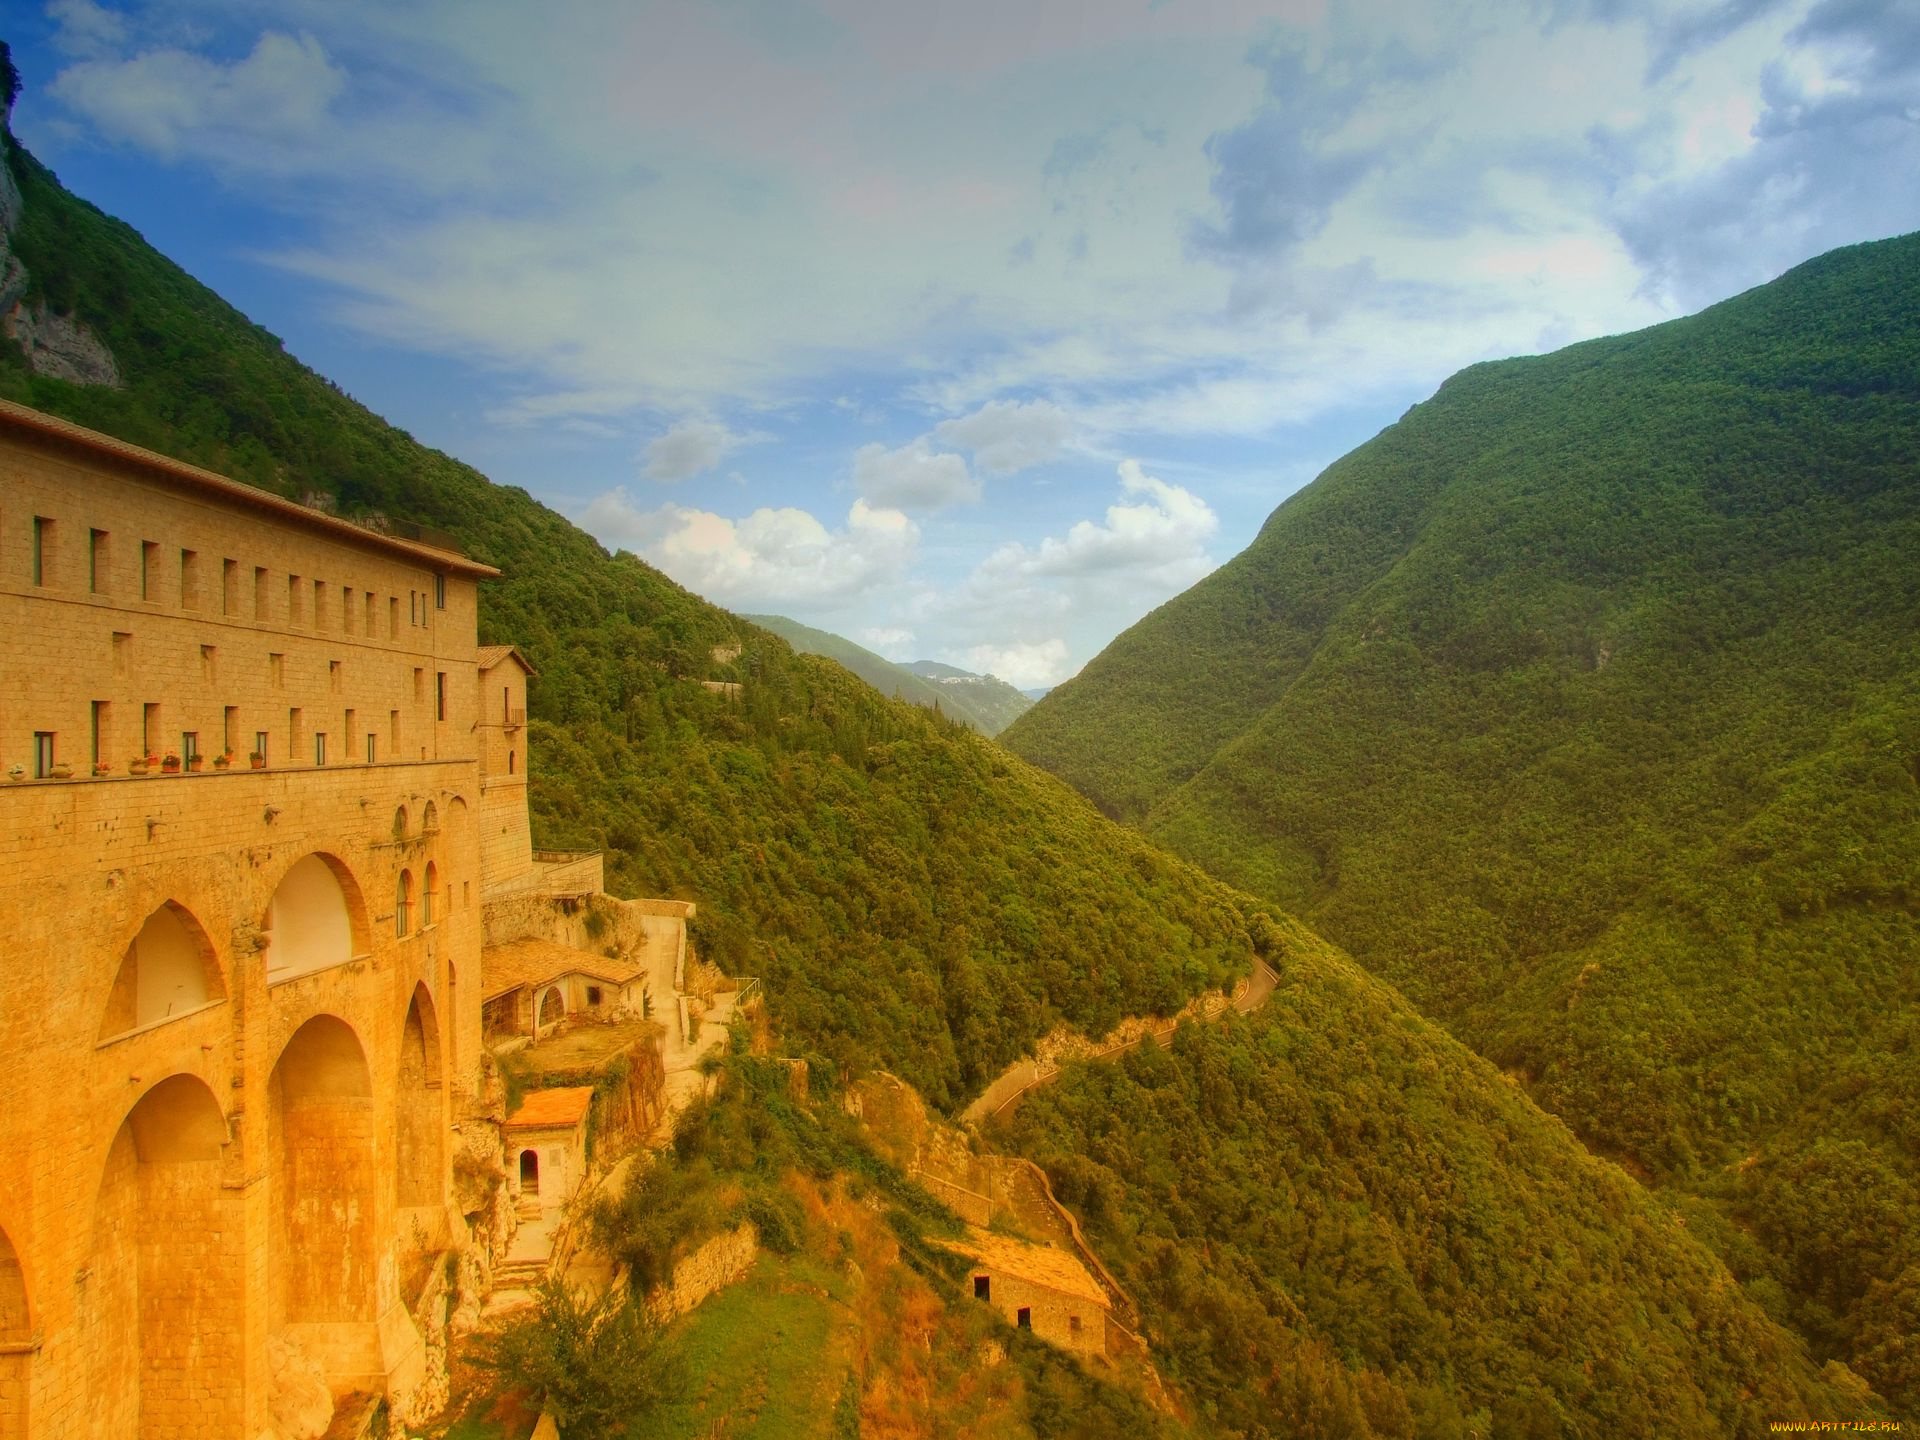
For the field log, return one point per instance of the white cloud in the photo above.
(914, 477)
(1007, 437)
(84, 28)
(1023, 666)
(273, 102)
(690, 447)
(1159, 540)
(771, 559)
(895, 642)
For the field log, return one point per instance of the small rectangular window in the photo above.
(42, 550)
(259, 756)
(346, 609)
(293, 735)
(393, 617)
(229, 587)
(413, 607)
(319, 747)
(419, 685)
(393, 732)
(440, 693)
(97, 561)
(373, 748)
(333, 676)
(189, 580)
(277, 671)
(319, 604)
(295, 603)
(189, 745)
(373, 613)
(149, 728)
(209, 663)
(122, 651)
(439, 592)
(149, 567)
(102, 731)
(43, 754)
(229, 729)
(349, 732)
(262, 603)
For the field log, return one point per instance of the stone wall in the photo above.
(714, 1266)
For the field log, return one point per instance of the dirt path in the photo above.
(1003, 1096)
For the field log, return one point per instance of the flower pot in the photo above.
(196, 764)
(221, 762)
(259, 762)
(63, 771)
(137, 767)
(170, 766)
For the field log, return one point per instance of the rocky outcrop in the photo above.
(58, 345)
(299, 1402)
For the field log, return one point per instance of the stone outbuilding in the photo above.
(1038, 1288)
(546, 1144)
(530, 985)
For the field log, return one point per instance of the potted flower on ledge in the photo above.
(223, 760)
(257, 760)
(196, 763)
(62, 771)
(141, 764)
(171, 764)
(101, 767)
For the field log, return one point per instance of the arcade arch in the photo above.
(403, 904)
(169, 970)
(549, 1010)
(162, 1312)
(314, 919)
(16, 1329)
(418, 1162)
(322, 1163)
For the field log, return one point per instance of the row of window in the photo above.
(158, 574)
(350, 742)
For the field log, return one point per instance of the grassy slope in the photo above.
(915, 896)
(1584, 703)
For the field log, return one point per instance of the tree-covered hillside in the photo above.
(914, 896)
(1584, 704)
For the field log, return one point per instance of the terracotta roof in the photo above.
(534, 962)
(552, 1109)
(219, 487)
(1036, 1264)
(492, 655)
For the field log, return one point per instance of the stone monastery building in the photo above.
(257, 794)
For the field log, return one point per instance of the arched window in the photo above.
(429, 819)
(400, 823)
(427, 891)
(510, 762)
(310, 921)
(403, 904)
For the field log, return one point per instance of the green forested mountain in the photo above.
(918, 898)
(980, 701)
(1584, 704)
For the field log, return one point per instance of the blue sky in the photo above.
(969, 331)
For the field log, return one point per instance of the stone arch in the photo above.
(549, 1009)
(430, 819)
(529, 1172)
(169, 969)
(420, 1130)
(400, 823)
(322, 1163)
(429, 886)
(316, 918)
(403, 904)
(162, 1314)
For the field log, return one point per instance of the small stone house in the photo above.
(529, 985)
(1038, 1288)
(546, 1144)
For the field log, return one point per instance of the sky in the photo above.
(969, 331)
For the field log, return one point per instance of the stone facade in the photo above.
(243, 1010)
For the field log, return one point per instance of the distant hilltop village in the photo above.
(271, 895)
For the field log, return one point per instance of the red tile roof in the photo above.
(552, 1109)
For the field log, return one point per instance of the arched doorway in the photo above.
(550, 1011)
(162, 1310)
(168, 970)
(16, 1329)
(529, 1172)
(418, 1164)
(322, 1164)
